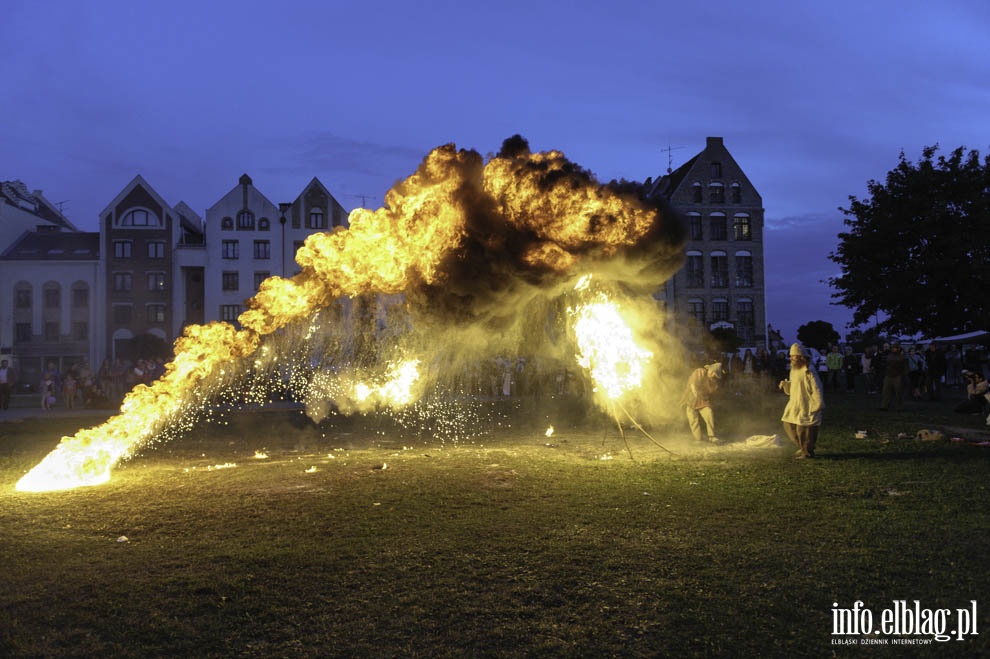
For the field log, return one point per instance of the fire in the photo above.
(606, 346)
(476, 246)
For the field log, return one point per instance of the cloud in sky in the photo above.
(813, 99)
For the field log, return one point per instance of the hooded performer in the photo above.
(701, 386)
(803, 414)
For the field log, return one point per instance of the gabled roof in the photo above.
(54, 246)
(667, 183)
(135, 182)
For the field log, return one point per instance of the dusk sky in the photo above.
(812, 99)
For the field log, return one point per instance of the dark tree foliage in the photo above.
(918, 250)
(818, 334)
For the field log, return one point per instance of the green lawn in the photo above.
(361, 540)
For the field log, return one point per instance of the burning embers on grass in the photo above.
(484, 258)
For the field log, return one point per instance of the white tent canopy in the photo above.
(980, 336)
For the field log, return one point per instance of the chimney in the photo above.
(714, 142)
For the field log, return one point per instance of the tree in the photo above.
(817, 334)
(917, 251)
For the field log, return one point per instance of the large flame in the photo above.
(607, 348)
(480, 247)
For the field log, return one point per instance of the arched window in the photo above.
(695, 269)
(720, 269)
(696, 192)
(741, 227)
(736, 193)
(744, 269)
(227, 224)
(696, 309)
(716, 193)
(720, 310)
(716, 227)
(694, 222)
(264, 224)
(745, 320)
(139, 217)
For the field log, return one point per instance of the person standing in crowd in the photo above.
(916, 371)
(935, 358)
(50, 382)
(895, 371)
(953, 366)
(833, 361)
(6, 384)
(850, 367)
(802, 416)
(866, 366)
(701, 388)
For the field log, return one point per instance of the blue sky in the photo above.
(813, 99)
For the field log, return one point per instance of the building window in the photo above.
(22, 298)
(229, 280)
(122, 281)
(316, 219)
(230, 249)
(156, 313)
(695, 268)
(80, 298)
(745, 320)
(744, 270)
(720, 270)
(22, 332)
(53, 298)
(156, 281)
(230, 312)
(245, 221)
(694, 220)
(736, 193)
(741, 228)
(80, 331)
(51, 332)
(139, 218)
(296, 246)
(720, 310)
(696, 193)
(260, 277)
(716, 193)
(264, 224)
(716, 227)
(122, 249)
(227, 224)
(122, 314)
(156, 249)
(716, 170)
(262, 249)
(696, 309)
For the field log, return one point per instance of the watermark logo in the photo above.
(903, 623)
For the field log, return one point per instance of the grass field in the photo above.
(359, 540)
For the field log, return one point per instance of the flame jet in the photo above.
(480, 251)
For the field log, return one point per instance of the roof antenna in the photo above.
(670, 157)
